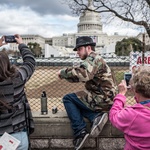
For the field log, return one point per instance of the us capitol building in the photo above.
(89, 25)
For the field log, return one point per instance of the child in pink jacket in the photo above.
(134, 121)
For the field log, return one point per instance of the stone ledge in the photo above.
(53, 131)
(58, 124)
(66, 144)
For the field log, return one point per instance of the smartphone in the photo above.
(10, 39)
(127, 77)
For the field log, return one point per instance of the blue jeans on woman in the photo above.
(77, 111)
(23, 138)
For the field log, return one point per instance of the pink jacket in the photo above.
(133, 121)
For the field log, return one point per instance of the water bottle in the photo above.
(44, 110)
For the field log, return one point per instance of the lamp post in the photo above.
(143, 50)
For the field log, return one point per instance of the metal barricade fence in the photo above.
(45, 79)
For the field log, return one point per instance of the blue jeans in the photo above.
(77, 111)
(23, 138)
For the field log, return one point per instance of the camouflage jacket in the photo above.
(99, 85)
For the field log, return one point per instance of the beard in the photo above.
(84, 56)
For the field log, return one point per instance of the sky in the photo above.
(47, 18)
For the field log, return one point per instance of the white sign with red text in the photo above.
(136, 59)
(8, 142)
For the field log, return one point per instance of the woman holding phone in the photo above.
(15, 113)
(134, 121)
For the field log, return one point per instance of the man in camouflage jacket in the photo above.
(97, 96)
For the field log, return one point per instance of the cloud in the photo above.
(121, 30)
(47, 18)
(43, 7)
(116, 25)
(24, 20)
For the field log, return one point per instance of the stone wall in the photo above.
(53, 132)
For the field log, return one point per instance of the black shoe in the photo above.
(80, 139)
(98, 124)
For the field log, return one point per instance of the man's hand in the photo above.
(122, 87)
(59, 76)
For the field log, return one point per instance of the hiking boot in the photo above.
(80, 139)
(98, 124)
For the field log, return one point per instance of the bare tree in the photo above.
(133, 11)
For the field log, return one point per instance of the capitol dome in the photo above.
(90, 21)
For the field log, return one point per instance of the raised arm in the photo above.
(28, 67)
